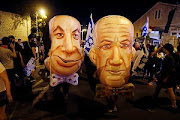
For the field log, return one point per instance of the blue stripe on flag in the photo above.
(89, 37)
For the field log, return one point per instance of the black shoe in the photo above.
(174, 109)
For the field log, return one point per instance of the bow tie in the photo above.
(106, 91)
(57, 79)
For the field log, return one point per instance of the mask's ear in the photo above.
(92, 55)
(133, 54)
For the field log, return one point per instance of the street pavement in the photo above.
(82, 104)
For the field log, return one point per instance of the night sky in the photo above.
(132, 9)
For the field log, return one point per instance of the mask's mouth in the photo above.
(67, 61)
(118, 72)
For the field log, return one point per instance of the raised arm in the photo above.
(14, 51)
(158, 50)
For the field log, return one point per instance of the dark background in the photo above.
(132, 9)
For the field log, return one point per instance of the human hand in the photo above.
(23, 65)
(10, 99)
(12, 46)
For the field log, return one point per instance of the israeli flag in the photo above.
(89, 37)
(145, 28)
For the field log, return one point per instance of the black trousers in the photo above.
(11, 77)
(65, 86)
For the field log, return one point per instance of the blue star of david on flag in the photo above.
(145, 28)
(89, 37)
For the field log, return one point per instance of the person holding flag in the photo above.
(141, 51)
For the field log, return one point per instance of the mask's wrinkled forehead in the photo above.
(114, 19)
(114, 28)
(67, 23)
(114, 23)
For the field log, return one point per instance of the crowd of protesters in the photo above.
(14, 56)
(161, 68)
(160, 65)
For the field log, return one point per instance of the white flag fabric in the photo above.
(141, 59)
(89, 37)
(145, 28)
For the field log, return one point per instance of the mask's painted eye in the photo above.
(59, 35)
(76, 36)
(106, 46)
(124, 44)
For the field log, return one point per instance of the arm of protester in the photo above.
(14, 52)
(34, 52)
(146, 52)
(22, 62)
(158, 50)
(4, 77)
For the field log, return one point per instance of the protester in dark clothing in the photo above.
(18, 61)
(65, 91)
(90, 68)
(29, 50)
(177, 55)
(167, 79)
(151, 63)
(12, 40)
(177, 63)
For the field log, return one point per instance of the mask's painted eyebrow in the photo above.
(76, 30)
(126, 40)
(125, 35)
(106, 41)
(58, 27)
(115, 24)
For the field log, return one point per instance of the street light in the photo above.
(43, 15)
(83, 30)
(37, 32)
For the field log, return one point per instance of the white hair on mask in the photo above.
(51, 24)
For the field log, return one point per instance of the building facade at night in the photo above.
(14, 24)
(164, 23)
